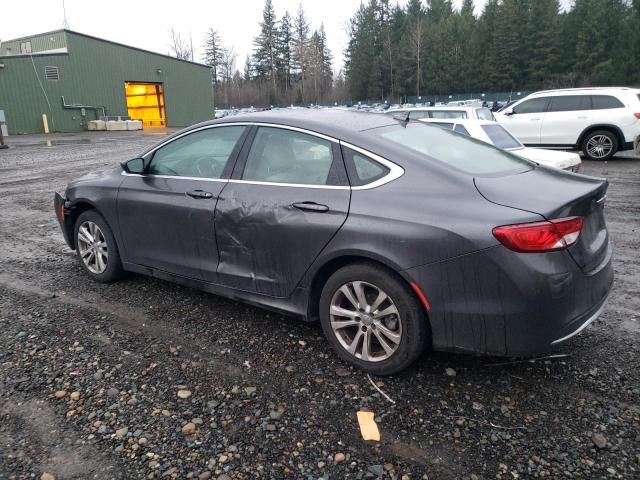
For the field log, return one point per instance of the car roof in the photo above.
(443, 107)
(461, 121)
(332, 122)
(583, 90)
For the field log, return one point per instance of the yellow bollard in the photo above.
(45, 123)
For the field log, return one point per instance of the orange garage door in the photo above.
(145, 101)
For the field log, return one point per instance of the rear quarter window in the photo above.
(458, 151)
(603, 102)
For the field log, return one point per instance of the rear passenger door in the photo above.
(288, 196)
(566, 118)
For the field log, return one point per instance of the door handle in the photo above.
(310, 207)
(535, 119)
(200, 194)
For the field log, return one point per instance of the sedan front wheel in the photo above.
(372, 319)
(96, 247)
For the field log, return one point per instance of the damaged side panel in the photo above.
(267, 238)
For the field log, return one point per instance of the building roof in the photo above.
(65, 30)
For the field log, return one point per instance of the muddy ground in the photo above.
(89, 373)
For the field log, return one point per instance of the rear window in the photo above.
(602, 102)
(500, 137)
(463, 153)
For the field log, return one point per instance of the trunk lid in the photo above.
(556, 194)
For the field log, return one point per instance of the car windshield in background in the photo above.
(484, 113)
(500, 137)
(459, 151)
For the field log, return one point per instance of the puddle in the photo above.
(53, 143)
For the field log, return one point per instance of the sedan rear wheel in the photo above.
(372, 319)
(365, 321)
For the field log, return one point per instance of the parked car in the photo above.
(598, 121)
(478, 113)
(495, 134)
(391, 233)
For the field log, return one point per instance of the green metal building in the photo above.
(74, 78)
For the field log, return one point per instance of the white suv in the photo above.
(598, 121)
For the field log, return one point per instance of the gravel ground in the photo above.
(146, 379)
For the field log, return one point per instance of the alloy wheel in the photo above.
(92, 247)
(366, 321)
(599, 146)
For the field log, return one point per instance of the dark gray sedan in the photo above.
(396, 235)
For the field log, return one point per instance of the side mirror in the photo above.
(507, 111)
(135, 165)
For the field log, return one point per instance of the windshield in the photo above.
(459, 151)
(500, 137)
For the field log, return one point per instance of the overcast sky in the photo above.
(147, 24)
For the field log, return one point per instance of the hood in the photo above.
(549, 158)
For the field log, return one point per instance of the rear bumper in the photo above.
(497, 302)
(62, 214)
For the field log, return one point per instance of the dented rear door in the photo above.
(288, 199)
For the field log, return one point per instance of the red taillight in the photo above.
(544, 236)
(637, 115)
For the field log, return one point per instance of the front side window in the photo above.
(602, 102)
(202, 154)
(458, 151)
(535, 105)
(445, 125)
(418, 114)
(286, 156)
(500, 137)
(570, 103)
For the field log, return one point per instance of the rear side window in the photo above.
(463, 153)
(279, 155)
(602, 102)
(461, 129)
(535, 105)
(570, 103)
(362, 170)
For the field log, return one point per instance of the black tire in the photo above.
(113, 270)
(608, 141)
(415, 333)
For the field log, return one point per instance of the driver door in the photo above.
(166, 214)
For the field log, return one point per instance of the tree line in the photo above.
(290, 63)
(427, 47)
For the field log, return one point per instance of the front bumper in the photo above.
(497, 302)
(62, 214)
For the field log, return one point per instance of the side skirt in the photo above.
(295, 305)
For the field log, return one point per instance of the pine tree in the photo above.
(212, 53)
(284, 52)
(301, 45)
(264, 56)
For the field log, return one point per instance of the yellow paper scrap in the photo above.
(368, 427)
